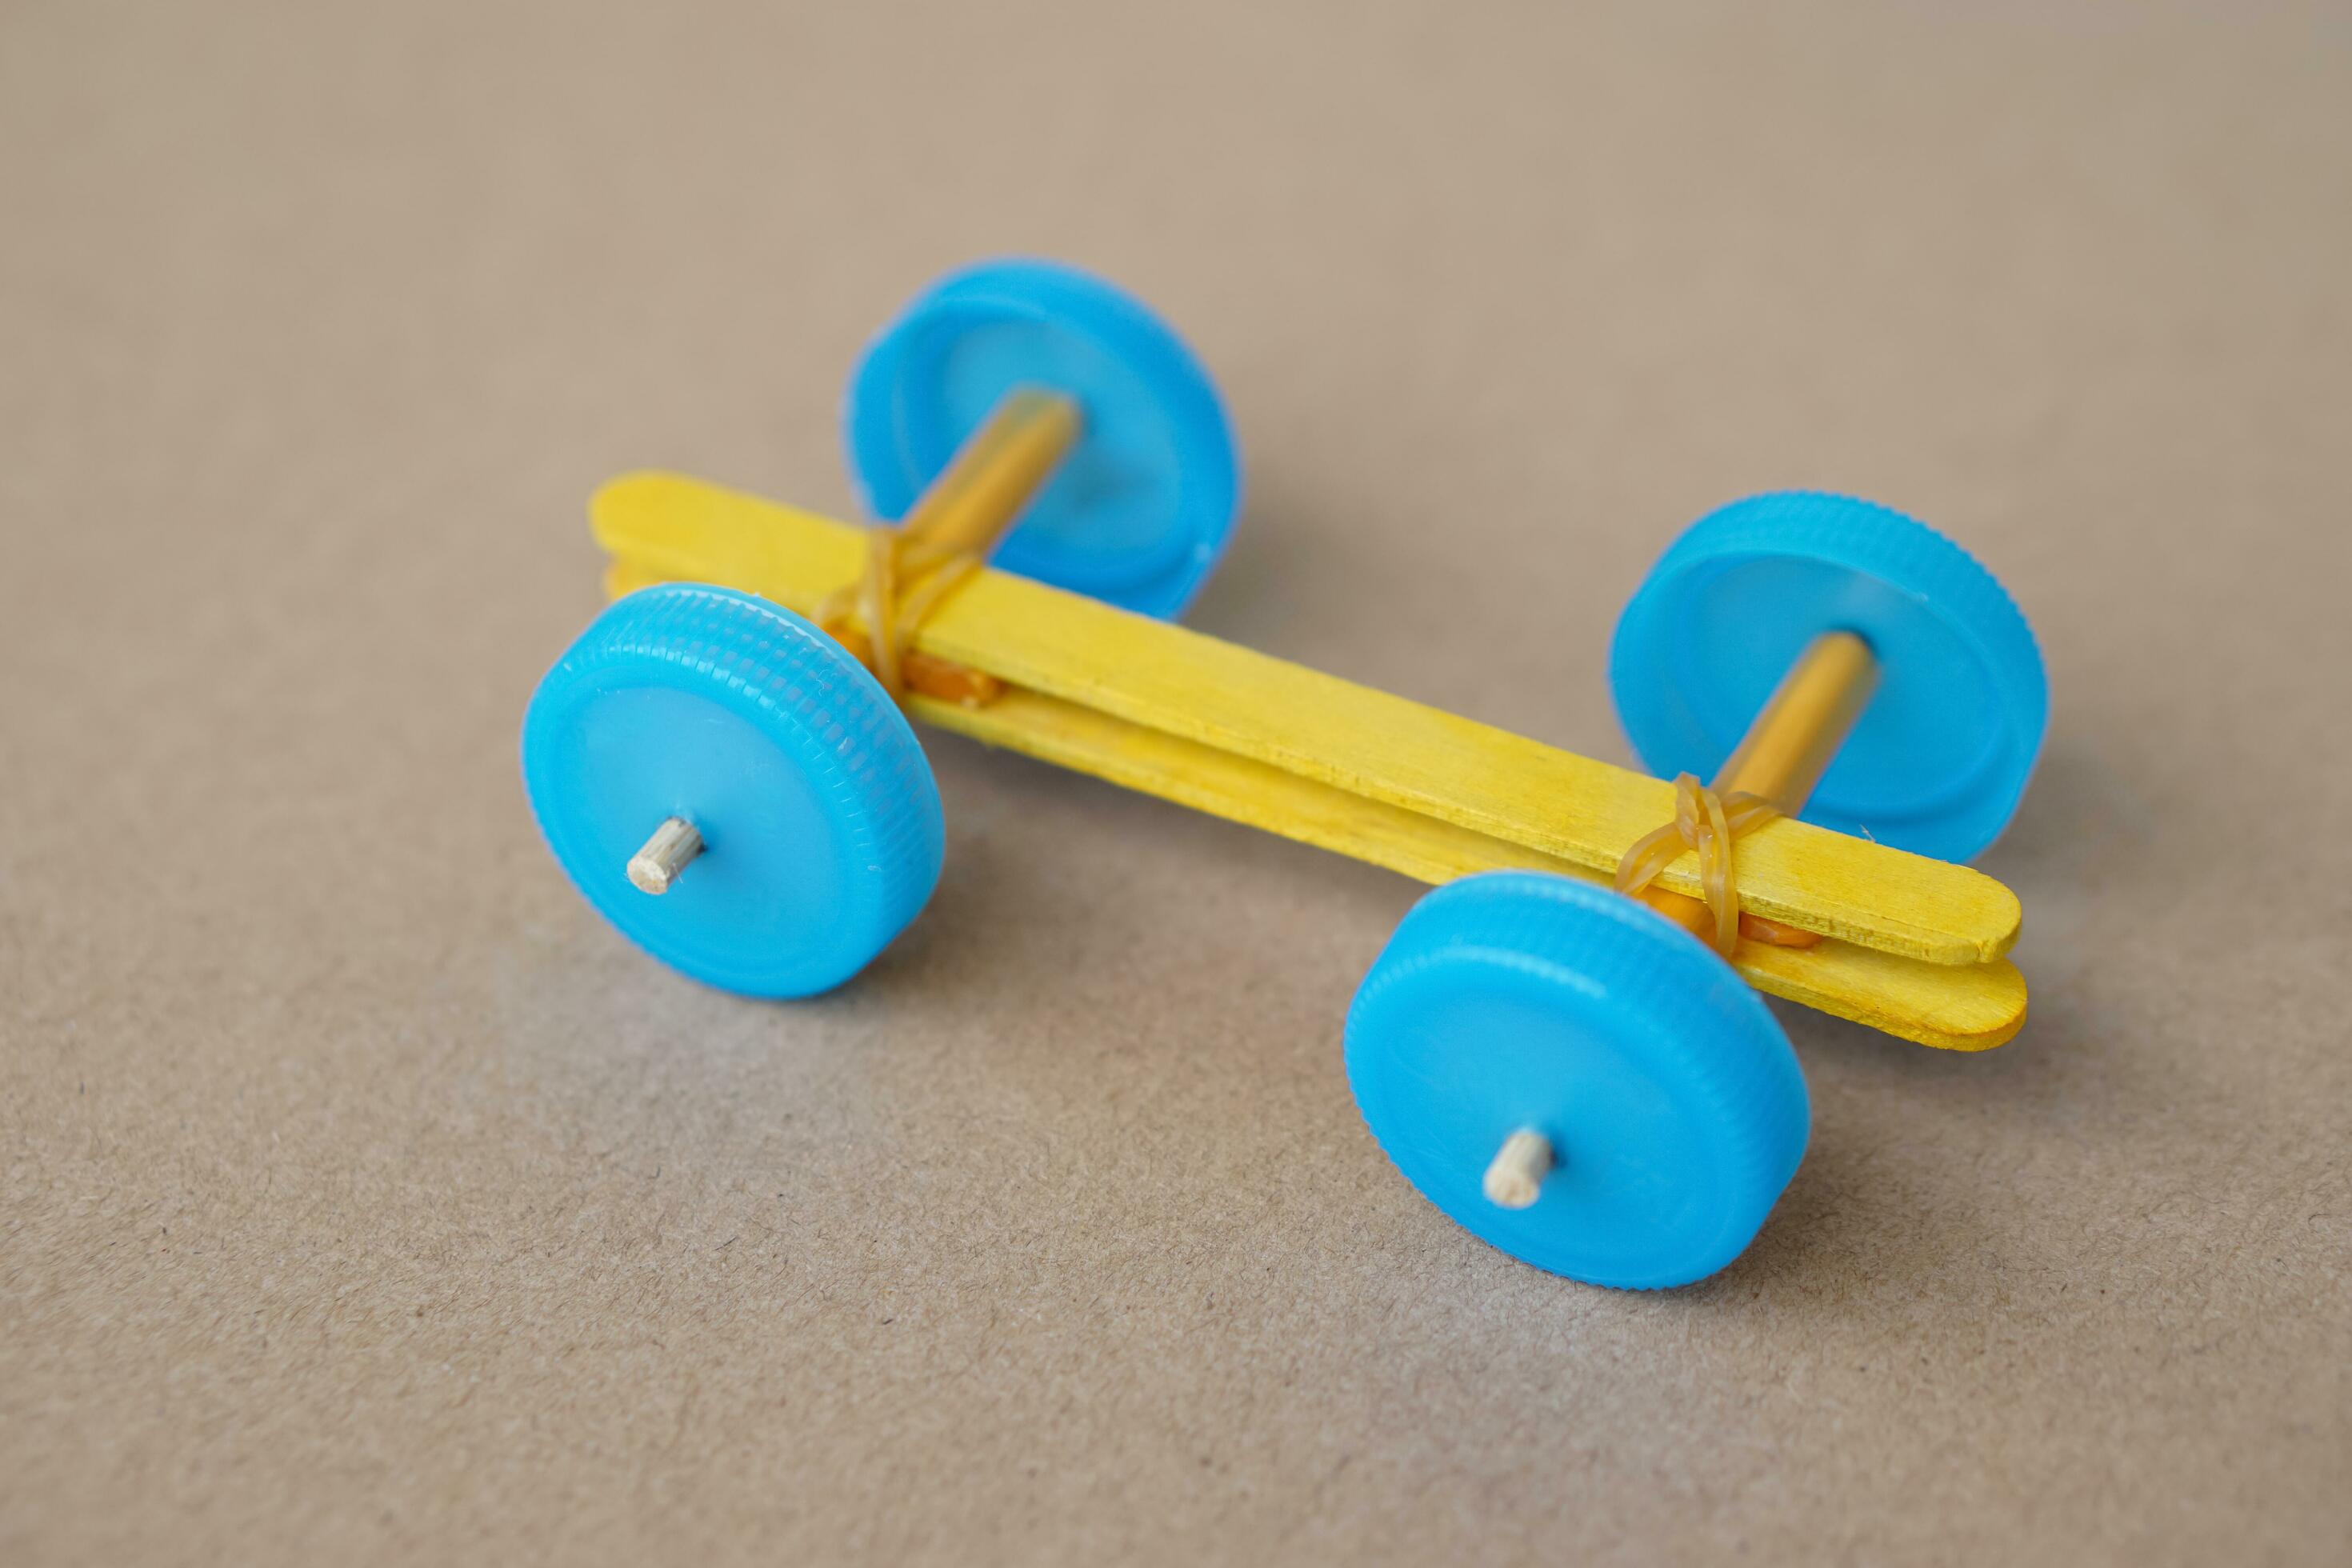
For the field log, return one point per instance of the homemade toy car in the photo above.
(1561, 1046)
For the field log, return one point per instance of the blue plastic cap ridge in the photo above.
(1672, 1102)
(1139, 511)
(822, 825)
(1943, 752)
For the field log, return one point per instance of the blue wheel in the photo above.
(820, 825)
(1139, 510)
(1941, 755)
(1671, 1105)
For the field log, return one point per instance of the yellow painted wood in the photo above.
(1951, 1007)
(1361, 742)
(986, 485)
(1786, 749)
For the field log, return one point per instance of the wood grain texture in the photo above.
(1965, 1008)
(1320, 728)
(365, 1199)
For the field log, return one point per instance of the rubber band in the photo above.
(893, 612)
(1705, 822)
(1709, 825)
(911, 569)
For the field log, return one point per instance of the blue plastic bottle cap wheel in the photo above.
(1942, 754)
(1672, 1106)
(819, 819)
(1141, 508)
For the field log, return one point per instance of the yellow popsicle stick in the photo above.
(1360, 742)
(960, 514)
(1966, 1007)
(1787, 747)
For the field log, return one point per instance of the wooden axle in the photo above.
(1515, 1180)
(1790, 744)
(1782, 757)
(674, 845)
(992, 478)
(996, 473)
(1914, 945)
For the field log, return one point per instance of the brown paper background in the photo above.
(367, 1199)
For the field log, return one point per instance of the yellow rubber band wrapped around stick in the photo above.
(912, 568)
(1709, 823)
(1771, 773)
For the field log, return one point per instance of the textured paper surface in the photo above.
(367, 1200)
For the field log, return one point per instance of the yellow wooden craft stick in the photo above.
(1966, 1007)
(1358, 740)
(1787, 747)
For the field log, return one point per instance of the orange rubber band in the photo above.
(893, 612)
(1708, 823)
(911, 569)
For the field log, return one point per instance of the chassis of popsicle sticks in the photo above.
(1569, 1076)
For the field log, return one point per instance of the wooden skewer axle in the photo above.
(1792, 742)
(975, 498)
(996, 472)
(1782, 757)
(1516, 1178)
(654, 867)
(1914, 946)
(993, 477)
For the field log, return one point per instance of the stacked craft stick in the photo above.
(1912, 946)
